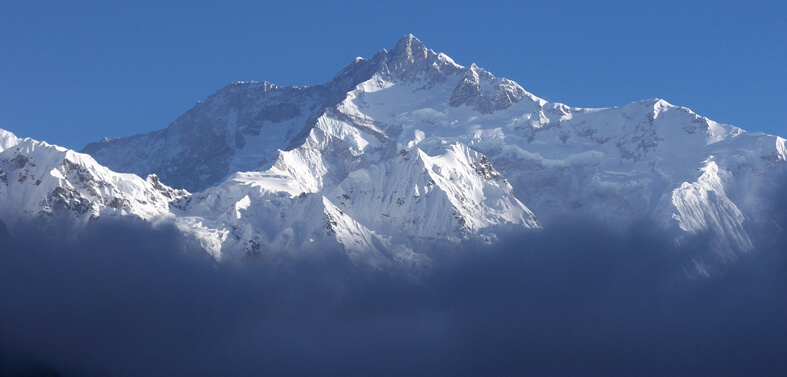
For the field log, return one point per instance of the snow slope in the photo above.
(43, 182)
(409, 149)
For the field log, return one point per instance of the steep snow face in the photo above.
(246, 216)
(233, 130)
(703, 206)
(7, 140)
(39, 181)
(452, 194)
(378, 211)
(781, 148)
(615, 164)
(409, 146)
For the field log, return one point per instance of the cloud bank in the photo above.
(574, 299)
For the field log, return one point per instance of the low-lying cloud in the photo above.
(574, 299)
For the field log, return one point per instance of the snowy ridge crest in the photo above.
(400, 152)
(39, 181)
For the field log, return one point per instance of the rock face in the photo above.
(398, 153)
(483, 92)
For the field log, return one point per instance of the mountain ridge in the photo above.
(400, 64)
(408, 149)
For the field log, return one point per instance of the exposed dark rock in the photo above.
(19, 161)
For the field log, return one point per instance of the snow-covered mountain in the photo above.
(41, 182)
(403, 150)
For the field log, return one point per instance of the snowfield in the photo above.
(397, 153)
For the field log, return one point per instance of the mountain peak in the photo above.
(399, 155)
(409, 41)
(411, 61)
(7, 140)
(410, 48)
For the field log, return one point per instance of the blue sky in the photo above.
(74, 72)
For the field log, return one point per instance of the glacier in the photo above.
(398, 154)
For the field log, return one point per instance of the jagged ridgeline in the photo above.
(398, 154)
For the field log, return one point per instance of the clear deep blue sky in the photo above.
(74, 72)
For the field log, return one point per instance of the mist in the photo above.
(573, 299)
